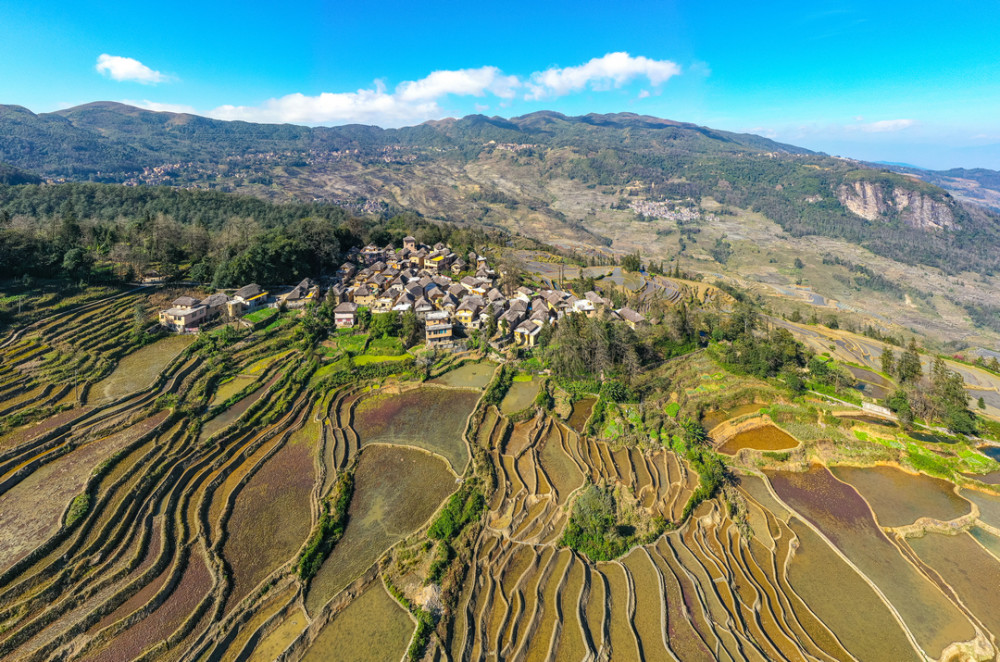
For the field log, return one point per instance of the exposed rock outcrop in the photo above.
(875, 201)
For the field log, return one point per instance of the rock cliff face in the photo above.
(874, 201)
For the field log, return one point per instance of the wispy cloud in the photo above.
(602, 73)
(411, 102)
(161, 107)
(121, 68)
(885, 126)
(763, 131)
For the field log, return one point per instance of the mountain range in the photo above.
(594, 184)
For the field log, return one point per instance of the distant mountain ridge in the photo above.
(979, 186)
(519, 173)
(108, 136)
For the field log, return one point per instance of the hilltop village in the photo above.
(453, 296)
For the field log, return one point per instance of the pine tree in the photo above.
(888, 361)
(908, 367)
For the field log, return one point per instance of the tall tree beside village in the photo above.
(908, 367)
(511, 268)
(888, 360)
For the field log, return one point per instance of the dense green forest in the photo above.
(94, 232)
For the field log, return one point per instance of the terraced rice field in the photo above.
(763, 438)
(520, 396)
(871, 383)
(158, 528)
(843, 517)
(138, 370)
(470, 375)
(382, 512)
(714, 418)
(371, 629)
(230, 388)
(429, 418)
(581, 412)
(899, 498)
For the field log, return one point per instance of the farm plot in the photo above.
(470, 375)
(763, 438)
(230, 415)
(989, 506)
(855, 614)
(429, 418)
(900, 498)
(230, 388)
(270, 518)
(30, 511)
(139, 369)
(164, 620)
(521, 394)
(581, 412)
(371, 629)
(275, 643)
(845, 519)
(714, 418)
(967, 568)
(382, 512)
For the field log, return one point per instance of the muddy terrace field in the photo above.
(158, 500)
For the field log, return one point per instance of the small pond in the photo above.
(764, 438)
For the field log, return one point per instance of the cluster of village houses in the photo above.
(419, 278)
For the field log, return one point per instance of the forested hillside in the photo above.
(102, 232)
(493, 172)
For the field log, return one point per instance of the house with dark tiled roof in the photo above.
(184, 313)
(422, 306)
(437, 328)
(345, 315)
(215, 304)
(337, 293)
(467, 312)
(631, 317)
(303, 294)
(526, 334)
(363, 296)
(346, 271)
(511, 319)
(247, 299)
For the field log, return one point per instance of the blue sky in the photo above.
(917, 82)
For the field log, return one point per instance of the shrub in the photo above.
(616, 391)
(463, 507)
(499, 386)
(78, 508)
(596, 527)
(332, 522)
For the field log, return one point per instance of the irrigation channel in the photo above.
(155, 500)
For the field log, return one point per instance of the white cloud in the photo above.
(464, 82)
(364, 107)
(128, 69)
(412, 102)
(612, 70)
(884, 126)
(763, 131)
(643, 94)
(161, 107)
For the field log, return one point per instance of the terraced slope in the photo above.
(168, 521)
